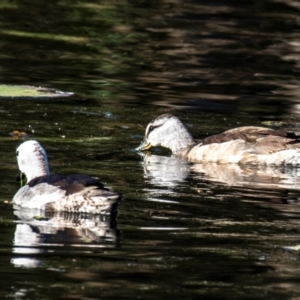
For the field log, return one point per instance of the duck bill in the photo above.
(143, 146)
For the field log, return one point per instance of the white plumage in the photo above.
(52, 192)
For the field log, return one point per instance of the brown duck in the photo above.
(242, 145)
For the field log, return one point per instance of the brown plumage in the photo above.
(243, 145)
(265, 140)
(72, 183)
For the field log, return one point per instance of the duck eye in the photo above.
(151, 128)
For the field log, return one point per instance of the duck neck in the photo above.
(34, 171)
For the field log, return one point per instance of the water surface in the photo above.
(183, 230)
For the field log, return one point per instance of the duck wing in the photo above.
(71, 184)
(264, 140)
(70, 193)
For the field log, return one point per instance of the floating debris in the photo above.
(18, 135)
(280, 124)
(274, 123)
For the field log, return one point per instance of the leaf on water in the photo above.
(28, 92)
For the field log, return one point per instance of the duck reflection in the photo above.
(34, 234)
(171, 171)
(163, 170)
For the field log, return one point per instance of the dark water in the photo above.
(182, 230)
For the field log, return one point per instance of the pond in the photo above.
(182, 230)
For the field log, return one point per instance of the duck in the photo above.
(250, 145)
(74, 193)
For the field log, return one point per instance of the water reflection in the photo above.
(171, 171)
(36, 235)
(163, 170)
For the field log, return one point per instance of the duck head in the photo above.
(166, 131)
(32, 159)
